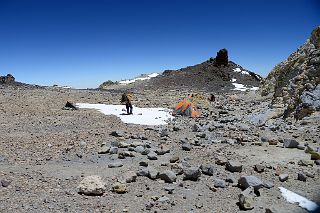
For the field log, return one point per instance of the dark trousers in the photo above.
(129, 108)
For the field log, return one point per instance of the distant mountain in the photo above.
(214, 75)
(294, 83)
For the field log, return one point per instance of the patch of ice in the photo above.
(241, 87)
(303, 202)
(63, 87)
(241, 71)
(139, 79)
(142, 116)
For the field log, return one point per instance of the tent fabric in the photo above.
(186, 108)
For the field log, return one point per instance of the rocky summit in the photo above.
(215, 74)
(233, 157)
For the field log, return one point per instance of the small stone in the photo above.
(162, 150)
(192, 173)
(123, 144)
(163, 199)
(302, 177)
(317, 162)
(246, 199)
(143, 163)
(290, 143)
(250, 181)
(186, 146)
(104, 150)
(301, 147)
(115, 164)
(218, 183)
(168, 176)
(268, 185)
(117, 133)
(177, 168)
(5, 183)
(309, 174)
(174, 159)
(145, 151)
(221, 160)
(283, 177)
(273, 142)
(212, 188)
(153, 173)
(92, 185)
(121, 155)
(143, 172)
(208, 169)
(113, 150)
(231, 179)
(82, 143)
(233, 166)
(119, 188)
(169, 189)
(115, 143)
(259, 168)
(129, 177)
(152, 156)
(139, 149)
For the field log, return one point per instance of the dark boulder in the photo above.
(222, 57)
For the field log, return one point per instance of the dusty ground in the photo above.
(45, 152)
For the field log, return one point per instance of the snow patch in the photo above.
(233, 80)
(139, 79)
(241, 87)
(303, 202)
(142, 116)
(241, 71)
(63, 87)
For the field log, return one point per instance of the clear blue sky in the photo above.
(82, 43)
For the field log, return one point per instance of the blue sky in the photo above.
(82, 43)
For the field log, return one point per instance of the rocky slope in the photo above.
(294, 82)
(214, 75)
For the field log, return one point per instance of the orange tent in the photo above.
(186, 108)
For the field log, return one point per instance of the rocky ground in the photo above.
(190, 165)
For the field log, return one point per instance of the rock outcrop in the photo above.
(222, 57)
(7, 79)
(294, 80)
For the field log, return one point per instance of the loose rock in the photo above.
(92, 185)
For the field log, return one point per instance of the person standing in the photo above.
(126, 99)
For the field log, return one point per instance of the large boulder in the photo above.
(92, 185)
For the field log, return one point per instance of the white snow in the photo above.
(303, 202)
(143, 116)
(233, 80)
(241, 87)
(63, 87)
(241, 71)
(139, 79)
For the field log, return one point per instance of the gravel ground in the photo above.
(45, 152)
